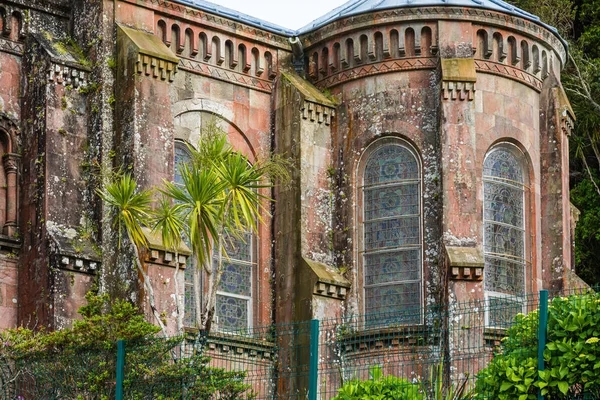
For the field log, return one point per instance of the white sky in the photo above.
(286, 13)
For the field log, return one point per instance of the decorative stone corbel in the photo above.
(152, 57)
(458, 78)
(160, 255)
(567, 116)
(326, 281)
(465, 263)
(317, 112)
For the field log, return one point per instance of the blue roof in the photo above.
(355, 7)
(238, 16)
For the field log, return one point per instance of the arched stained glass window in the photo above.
(504, 233)
(392, 266)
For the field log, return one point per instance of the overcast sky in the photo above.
(289, 14)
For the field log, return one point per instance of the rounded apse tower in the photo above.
(448, 152)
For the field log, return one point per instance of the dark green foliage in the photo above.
(578, 22)
(572, 354)
(379, 387)
(80, 363)
(587, 233)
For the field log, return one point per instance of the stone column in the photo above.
(11, 167)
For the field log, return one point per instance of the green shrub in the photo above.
(80, 363)
(572, 354)
(379, 387)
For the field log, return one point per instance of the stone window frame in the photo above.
(359, 209)
(253, 264)
(523, 158)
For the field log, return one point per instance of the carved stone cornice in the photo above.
(412, 14)
(9, 46)
(152, 57)
(378, 68)
(166, 258)
(189, 14)
(458, 90)
(317, 112)
(78, 264)
(225, 75)
(155, 67)
(68, 75)
(510, 72)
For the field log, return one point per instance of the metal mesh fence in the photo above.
(443, 354)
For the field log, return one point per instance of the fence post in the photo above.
(313, 366)
(542, 329)
(120, 369)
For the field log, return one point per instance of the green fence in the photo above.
(426, 350)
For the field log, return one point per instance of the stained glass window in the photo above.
(504, 231)
(392, 235)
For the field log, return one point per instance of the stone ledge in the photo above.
(152, 57)
(465, 263)
(381, 338)
(327, 281)
(158, 254)
(317, 112)
(236, 345)
(458, 78)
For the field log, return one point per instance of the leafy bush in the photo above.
(379, 387)
(80, 363)
(572, 354)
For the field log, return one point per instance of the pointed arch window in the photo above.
(392, 244)
(504, 218)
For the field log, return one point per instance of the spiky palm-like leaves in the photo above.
(219, 197)
(130, 209)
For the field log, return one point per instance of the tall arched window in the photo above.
(504, 232)
(234, 294)
(392, 246)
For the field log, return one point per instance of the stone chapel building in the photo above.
(429, 143)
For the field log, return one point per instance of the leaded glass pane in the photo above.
(504, 276)
(502, 311)
(182, 156)
(238, 248)
(394, 300)
(236, 279)
(232, 313)
(503, 240)
(502, 163)
(394, 232)
(394, 266)
(391, 201)
(503, 204)
(391, 163)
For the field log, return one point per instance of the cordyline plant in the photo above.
(220, 199)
